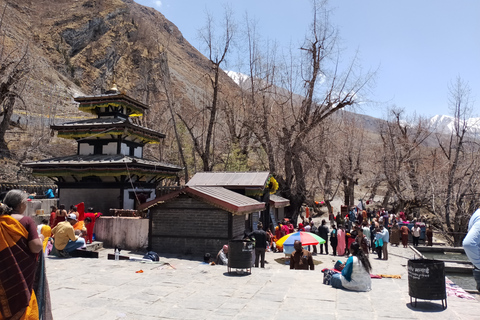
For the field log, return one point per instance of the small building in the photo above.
(213, 208)
(277, 205)
(196, 220)
(109, 170)
(256, 185)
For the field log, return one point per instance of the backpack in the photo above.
(151, 256)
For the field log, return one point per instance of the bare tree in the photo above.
(460, 150)
(167, 87)
(216, 50)
(403, 160)
(325, 91)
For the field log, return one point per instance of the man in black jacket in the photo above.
(261, 238)
(322, 232)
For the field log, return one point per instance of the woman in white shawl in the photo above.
(355, 275)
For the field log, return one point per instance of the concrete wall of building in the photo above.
(85, 149)
(126, 232)
(100, 199)
(189, 226)
(110, 148)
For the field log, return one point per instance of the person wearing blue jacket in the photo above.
(471, 245)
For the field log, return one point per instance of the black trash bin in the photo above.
(240, 255)
(426, 280)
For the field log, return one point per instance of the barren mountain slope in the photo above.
(80, 47)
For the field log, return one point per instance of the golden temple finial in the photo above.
(114, 87)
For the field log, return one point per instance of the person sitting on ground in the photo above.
(355, 275)
(74, 210)
(301, 259)
(60, 215)
(207, 258)
(271, 242)
(41, 225)
(46, 231)
(222, 256)
(65, 239)
(291, 229)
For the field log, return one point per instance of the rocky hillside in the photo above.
(80, 47)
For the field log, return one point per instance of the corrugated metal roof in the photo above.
(100, 159)
(217, 196)
(230, 179)
(278, 202)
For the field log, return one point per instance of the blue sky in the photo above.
(418, 47)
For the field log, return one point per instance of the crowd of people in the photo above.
(355, 234)
(70, 230)
(373, 231)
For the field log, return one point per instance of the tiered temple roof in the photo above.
(110, 145)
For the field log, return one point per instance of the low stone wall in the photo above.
(40, 207)
(127, 232)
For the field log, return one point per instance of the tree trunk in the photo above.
(4, 125)
(165, 70)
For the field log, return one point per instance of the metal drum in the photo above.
(240, 254)
(426, 280)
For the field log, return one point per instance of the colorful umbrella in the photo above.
(307, 238)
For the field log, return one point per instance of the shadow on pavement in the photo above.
(238, 273)
(426, 306)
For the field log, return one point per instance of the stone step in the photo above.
(94, 246)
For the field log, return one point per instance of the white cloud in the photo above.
(157, 4)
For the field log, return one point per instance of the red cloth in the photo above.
(90, 226)
(81, 211)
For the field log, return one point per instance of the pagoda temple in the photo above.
(109, 170)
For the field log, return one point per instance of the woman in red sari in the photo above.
(19, 248)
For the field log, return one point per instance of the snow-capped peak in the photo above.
(238, 77)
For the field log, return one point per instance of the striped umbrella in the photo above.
(307, 238)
